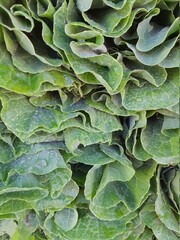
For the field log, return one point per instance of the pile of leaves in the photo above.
(89, 119)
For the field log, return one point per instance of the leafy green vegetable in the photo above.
(89, 120)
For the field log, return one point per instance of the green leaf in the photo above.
(172, 60)
(28, 84)
(7, 152)
(158, 145)
(111, 213)
(88, 226)
(95, 68)
(108, 18)
(41, 163)
(151, 34)
(14, 206)
(150, 218)
(18, 18)
(41, 118)
(146, 235)
(22, 188)
(7, 226)
(155, 75)
(92, 155)
(26, 227)
(156, 55)
(66, 219)
(84, 6)
(76, 136)
(116, 183)
(149, 97)
(164, 210)
(67, 195)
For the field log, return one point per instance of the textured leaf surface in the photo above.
(89, 120)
